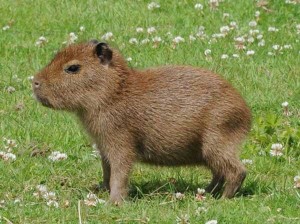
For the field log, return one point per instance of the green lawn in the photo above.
(266, 72)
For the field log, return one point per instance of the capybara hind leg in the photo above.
(234, 180)
(222, 160)
(215, 185)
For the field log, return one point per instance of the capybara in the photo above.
(169, 115)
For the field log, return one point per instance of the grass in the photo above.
(268, 194)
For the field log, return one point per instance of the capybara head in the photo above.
(78, 75)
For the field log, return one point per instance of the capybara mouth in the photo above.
(44, 101)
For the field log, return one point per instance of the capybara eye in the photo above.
(72, 69)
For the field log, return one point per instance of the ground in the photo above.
(253, 44)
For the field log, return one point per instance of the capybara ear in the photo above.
(104, 53)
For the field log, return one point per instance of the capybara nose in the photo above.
(36, 84)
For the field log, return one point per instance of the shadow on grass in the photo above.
(157, 187)
(139, 190)
(253, 187)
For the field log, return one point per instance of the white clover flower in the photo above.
(56, 156)
(30, 78)
(270, 53)
(139, 30)
(224, 56)
(153, 5)
(49, 196)
(250, 52)
(235, 55)
(201, 28)
(178, 39)
(10, 89)
(145, 41)
(200, 194)
(192, 38)
(212, 222)
(82, 28)
(225, 15)
(200, 191)
(199, 6)
(7, 156)
(183, 219)
(72, 37)
(107, 36)
(247, 161)
(276, 47)
(169, 34)
(252, 23)
(5, 27)
(201, 32)
(151, 30)
(156, 39)
(41, 41)
(179, 196)
(10, 156)
(273, 29)
(93, 200)
(257, 13)
(41, 191)
(133, 41)
(233, 25)
(285, 108)
(261, 43)
(207, 52)
(10, 143)
(129, 59)
(297, 182)
(287, 46)
(253, 32)
(250, 40)
(292, 2)
(200, 210)
(259, 36)
(214, 3)
(224, 29)
(239, 39)
(218, 35)
(52, 203)
(276, 150)
(42, 188)
(42, 38)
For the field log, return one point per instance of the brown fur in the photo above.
(173, 115)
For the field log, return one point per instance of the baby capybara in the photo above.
(171, 115)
